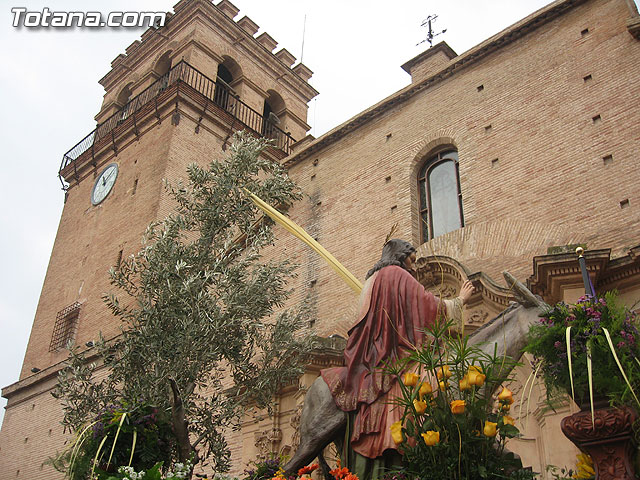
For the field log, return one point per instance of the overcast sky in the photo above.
(49, 94)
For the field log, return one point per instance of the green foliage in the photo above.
(467, 447)
(141, 434)
(199, 306)
(587, 318)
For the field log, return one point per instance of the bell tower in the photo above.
(174, 97)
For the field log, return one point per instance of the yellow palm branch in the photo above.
(300, 233)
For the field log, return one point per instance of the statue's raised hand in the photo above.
(466, 291)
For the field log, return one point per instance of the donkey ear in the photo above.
(523, 295)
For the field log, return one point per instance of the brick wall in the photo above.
(535, 171)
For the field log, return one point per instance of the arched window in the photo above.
(123, 102)
(228, 72)
(273, 105)
(163, 65)
(440, 198)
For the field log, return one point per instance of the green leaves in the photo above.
(588, 348)
(197, 305)
(465, 450)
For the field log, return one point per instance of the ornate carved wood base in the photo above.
(610, 443)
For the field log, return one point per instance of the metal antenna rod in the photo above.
(430, 34)
(304, 28)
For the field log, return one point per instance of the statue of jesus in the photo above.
(394, 310)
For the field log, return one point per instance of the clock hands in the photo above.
(104, 184)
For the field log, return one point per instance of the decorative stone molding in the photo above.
(553, 273)
(295, 427)
(443, 276)
(267, 442)
(478, 317)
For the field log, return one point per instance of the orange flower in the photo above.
(476, 377)
(464, 383)
(457, 407)
(506, 396)
(340, 473)
(431, 438)
(443, 372)
(507, 420)
(396, 433)
(307, 469)
(425, 389)
(411, 379)
(490, 428)
(420, 406)
(442, 385)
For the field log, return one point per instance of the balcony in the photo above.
(238, 113)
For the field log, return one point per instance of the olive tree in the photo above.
(204, 328)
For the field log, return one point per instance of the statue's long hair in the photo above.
(394, 252)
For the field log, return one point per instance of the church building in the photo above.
(504, 157)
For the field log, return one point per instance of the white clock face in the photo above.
(104, 183)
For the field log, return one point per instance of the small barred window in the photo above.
(65, 327)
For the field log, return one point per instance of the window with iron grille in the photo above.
(65, 327)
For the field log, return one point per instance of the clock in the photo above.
(104, 183)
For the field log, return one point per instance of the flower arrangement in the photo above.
(271, 469)
(139, 438)
(588, 349)
(264, 469)
(180, 471)
(452, 426)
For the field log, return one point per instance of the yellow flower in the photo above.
(457, 406)
(584, 467)
(443, 372)
(420, 406)
(442, 385)
(431, 438)
(475, 375)
(507, 420)
(396, 432)
(490, 428)
(464, 383)
(411, 379)
(506, 396)
(425, 389)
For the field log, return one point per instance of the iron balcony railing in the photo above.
(217, 92)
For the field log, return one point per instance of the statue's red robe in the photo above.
(394, 309)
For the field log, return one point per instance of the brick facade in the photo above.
(544, 117)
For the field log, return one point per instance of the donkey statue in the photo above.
(322, 422)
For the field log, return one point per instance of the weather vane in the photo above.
(430, 34)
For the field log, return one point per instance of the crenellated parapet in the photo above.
(208, 37)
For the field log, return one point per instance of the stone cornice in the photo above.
(472, 56)
(551, 273)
